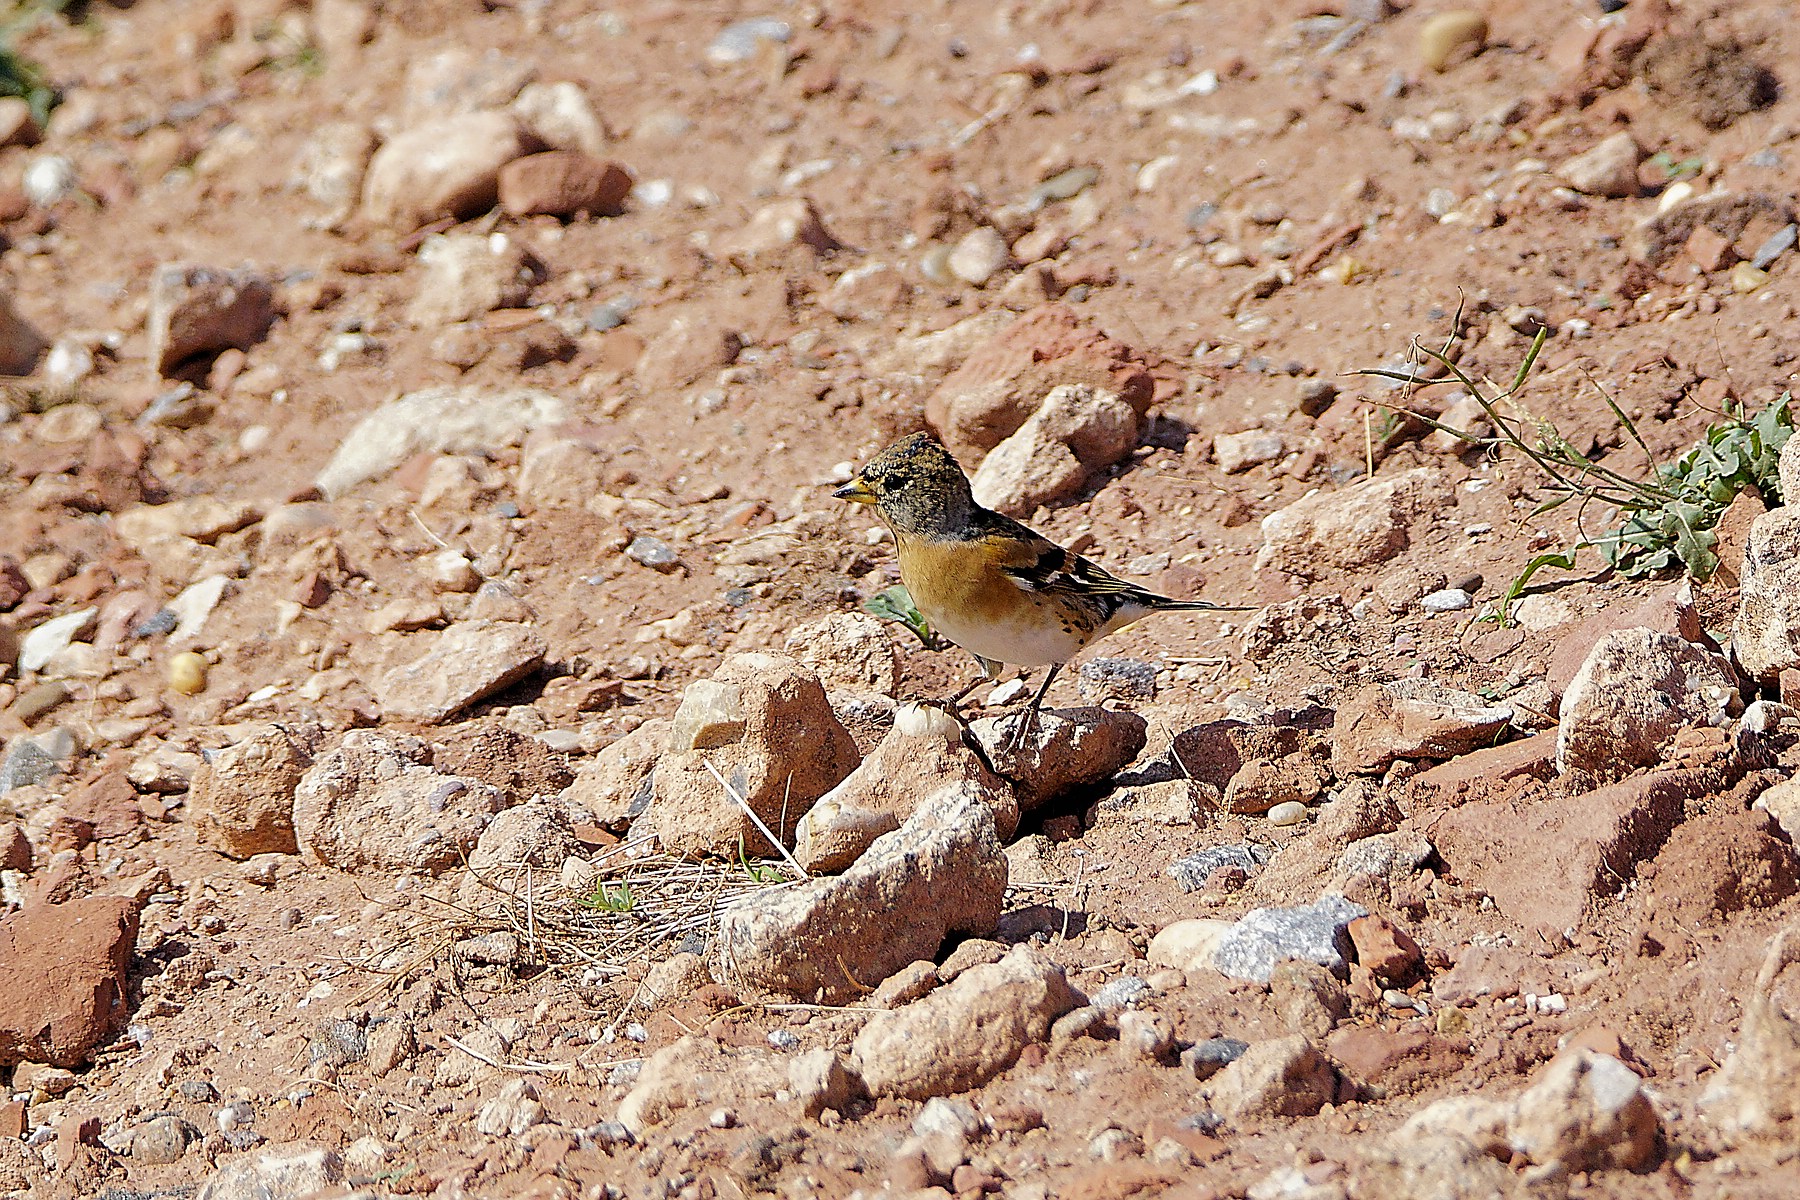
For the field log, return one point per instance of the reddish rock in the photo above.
(561, 183)
(1383, 1062)
(1528, 758)
(1545, 861)
(1215, 752)
(65, 978)
(15, 849)
(13, 584)
(1387, 950)
(110, 805)
(1720, 863)
(1000, 384)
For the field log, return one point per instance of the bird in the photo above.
(995, 587)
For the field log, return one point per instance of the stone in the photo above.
(202, 518)
(161, 1140)
(1382, 1062)
(1662, 236)
(332, 164)
(25, 763)
(978, 256)
(824, 940)
(1766, 632)
(1354, 527)
(1003, 381)
(1207, 1058)
(777, 228)
(1781, 802)
(1411, 718)
(284, 1171)
(1547, 862)
(785, 750)
(1175, 803)
(1609, 168)
(1070, 748)
(15, 848)
(697, 1072)
(1752, 1097)
(1262, 785)
(465, 664)
(563, 183)
(441, 420)
(43, 642)
(965, 1033)
(1445, 36)
(1076, 432)
(672, 981)
(242, 799)
(1262, 937)
(819, 1079)
(197, 311)
(561, 116)
(1787, 467)
(921, 754)
(516, 1109)
(468, 275)
(848, 651)
(615, 784)
(1104, 679)
(446, 168)
(1669, 610)
(1637, 689)
(1286, 1077)
(1238, 452)
(1188, 945)
(1587, 1112)
(21, 345)
(1193, 871)
(1387, 950)
(109, 804)
(1307, 998)
(1441, 1166)
(66, 968)
(1468, 417)
(527, 836)
(375, 803)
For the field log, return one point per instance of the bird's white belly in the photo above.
(1015, 644)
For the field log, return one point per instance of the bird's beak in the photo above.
(856, 491)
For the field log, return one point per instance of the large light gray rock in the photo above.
(285, 1171)
(942, 872)
(965, 1033)
(1357, 526)
(1262, 937)
(1635, 691)
(462, 665)
(1766, 634)
(375, 803)
(444, 420)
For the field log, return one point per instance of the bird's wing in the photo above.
(1037, 564)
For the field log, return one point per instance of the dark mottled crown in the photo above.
(919, 488)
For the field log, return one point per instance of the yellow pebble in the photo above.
(1441, 37)
(1746, 278)
(1452, 1022)
(187, 673)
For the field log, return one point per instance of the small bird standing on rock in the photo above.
(1001, 591)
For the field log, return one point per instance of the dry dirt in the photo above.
(906, 126)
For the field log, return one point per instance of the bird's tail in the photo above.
(1169, 604)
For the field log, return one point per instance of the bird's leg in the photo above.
(990, 671)
(1028, 718)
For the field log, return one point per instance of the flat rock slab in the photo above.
(1262, 937)
(64, 970)
(1544, 861)
(466, 664)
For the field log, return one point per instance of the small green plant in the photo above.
(1673, 170)
(1665, 517)
(613, 900)
(896, 604)
(757, 871)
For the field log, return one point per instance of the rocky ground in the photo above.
(423, 611)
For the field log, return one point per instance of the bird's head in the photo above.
(915, 485)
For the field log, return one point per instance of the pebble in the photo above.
(1446, 600)
(1117, 678)
(653, 553)
(1746, 278)
(739, 41)
(25, 764)
(1240, 451)
(1773, 247)
(52, 637)
(1193, 871)
(48, 179)
(1288, 812)
(1123, 992)
(1444, 34)
(1208, 1058)
(978, 256)
(187, 673)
